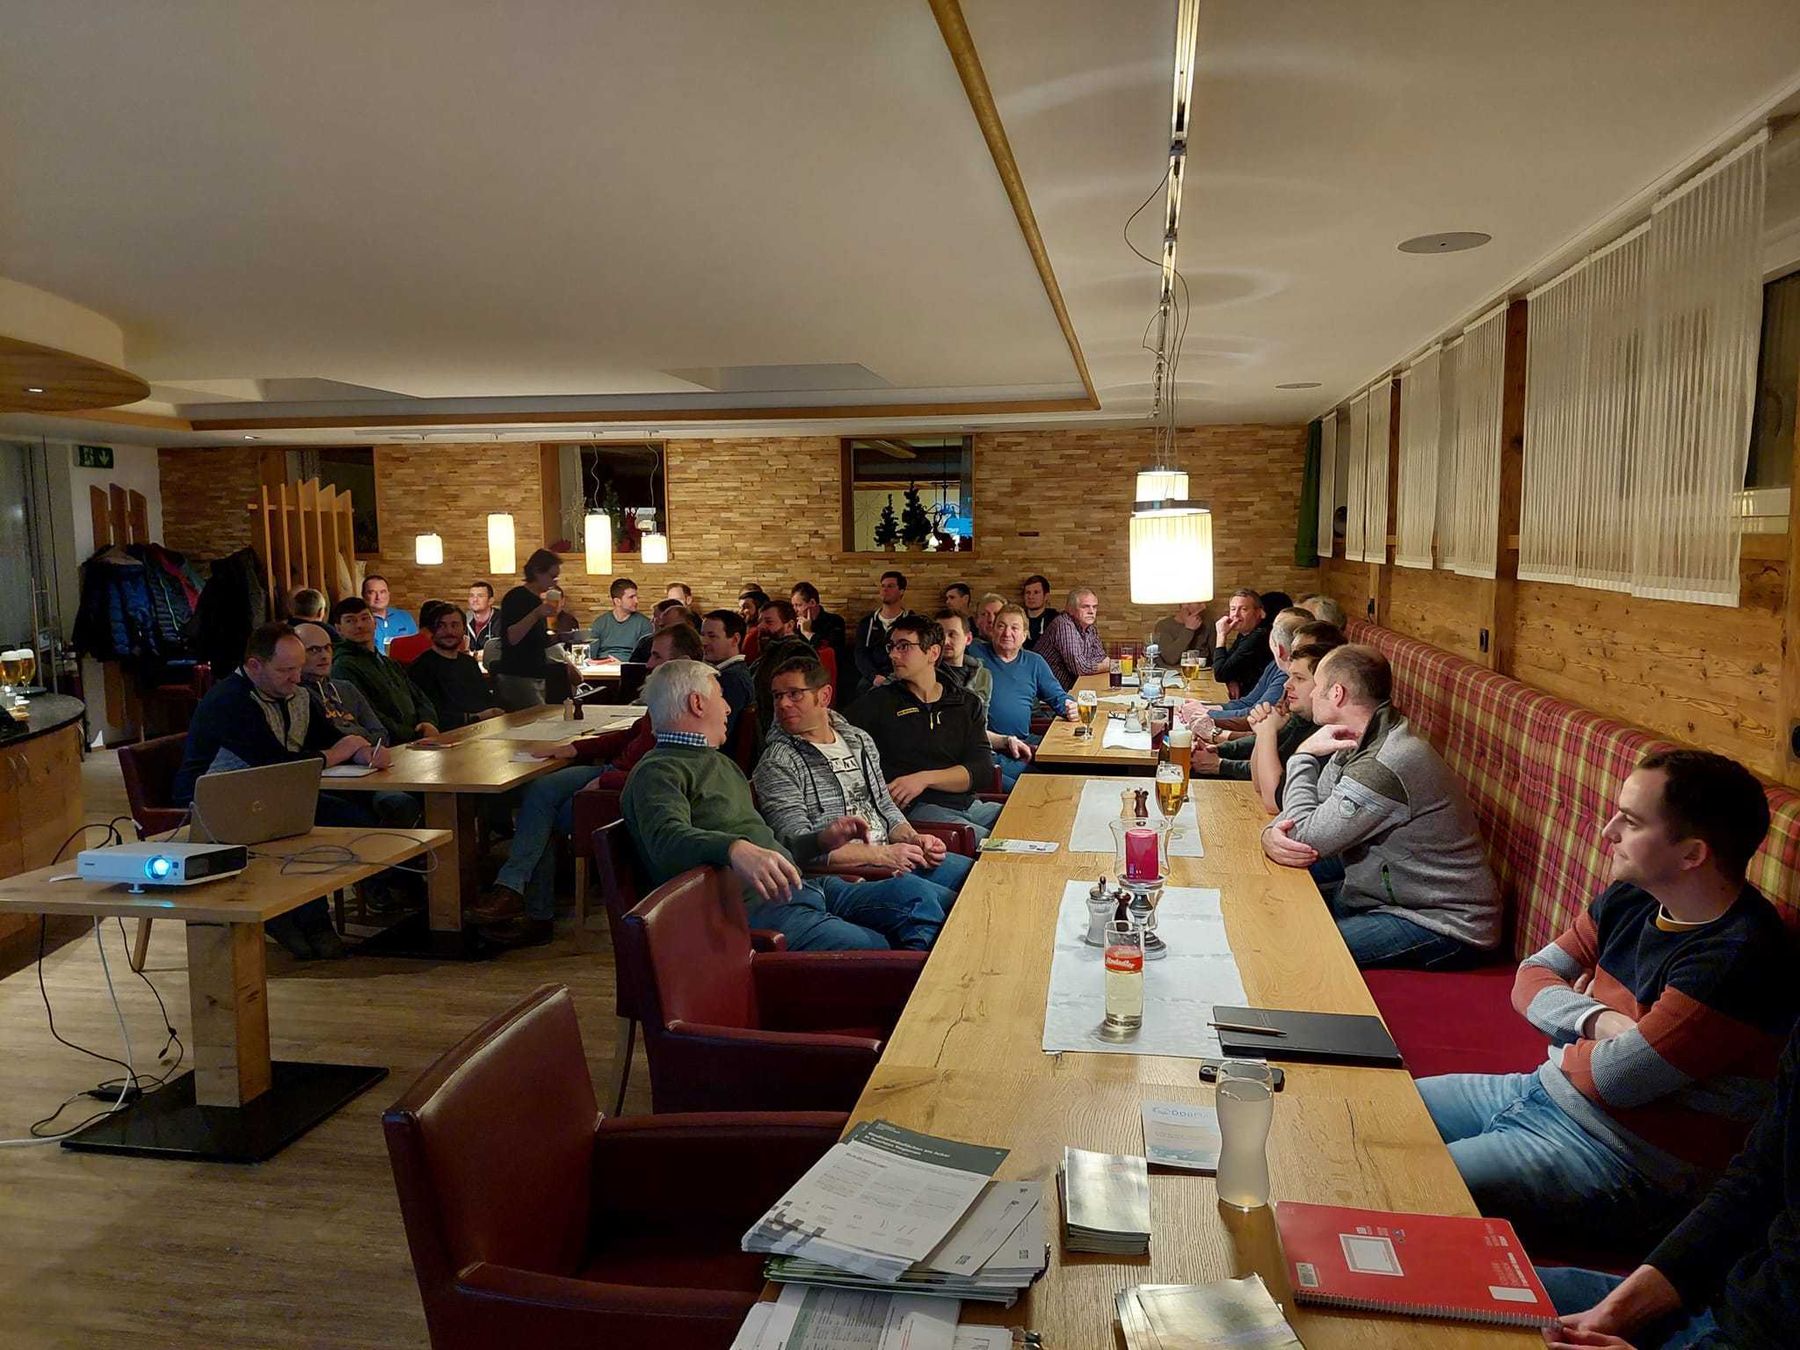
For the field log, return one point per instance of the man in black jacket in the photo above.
(1241, 641)
(873, 666)
(820, 626)
(452, 681)
(931, 734)
(1728, 1277)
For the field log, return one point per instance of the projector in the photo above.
(141, 865)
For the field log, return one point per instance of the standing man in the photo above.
(1036, 595)
(616, 633)
(722, 644)
(451, 680)
(403, 709)
(481, 613)
(1071, 644)
(873, 666)
(820, 627)
(931, 733)
(1241, 641)
(524, 629)
(1022, 679)
(389, 623)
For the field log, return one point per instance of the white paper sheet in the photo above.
(1123, 734)
(1100, 803)
(556, 729)
(810, 1318)
(984, 1338)
(1179, 990)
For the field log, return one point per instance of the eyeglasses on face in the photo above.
(791, 695)
(903, 646)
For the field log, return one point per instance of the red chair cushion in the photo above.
(1456, 1021)
(408, 648)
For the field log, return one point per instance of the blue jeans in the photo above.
(907, 910)
(1378, 940)
(979, 814)
(1574, 1290)
(1010, 768)
(545, 806)
(1525, 1159)
(806, 925)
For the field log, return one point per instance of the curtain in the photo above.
(1355, 524)
(1480, 367)
(1328, 502)
(1306, 531)
(1581, 384)
(1375, 499)
(1703, 278)
(1446, 489)
(1416, 507)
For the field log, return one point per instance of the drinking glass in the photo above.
(1127, 661)
(1171, 786)
(27, 665)
(1245, 1100)
(1124, 978)
(1190, 668)
(1181, 751)
(1087, 706)
(1115, 673)
(1156, 722)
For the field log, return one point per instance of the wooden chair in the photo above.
(149, 770)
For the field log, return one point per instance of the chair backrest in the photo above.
(409, 648)
(621, 883)
(149, 770)
(746, 745)
(690, 945)
(828, 659)
(492, 1151)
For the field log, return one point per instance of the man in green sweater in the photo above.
(686, 805)
(401, 705)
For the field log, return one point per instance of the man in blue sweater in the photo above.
(1021, 679)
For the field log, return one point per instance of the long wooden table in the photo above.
(965, 1061)
(237, 1105)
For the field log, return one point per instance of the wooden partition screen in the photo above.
(306, 534)
(120, 516)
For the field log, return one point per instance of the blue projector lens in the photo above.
(158, 867)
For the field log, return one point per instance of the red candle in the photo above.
(1141, 862)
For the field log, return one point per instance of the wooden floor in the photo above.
(303, 1250)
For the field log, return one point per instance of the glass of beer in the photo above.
(27, 665)
(1124, 979)
(1181, 751)
(1127, 660)
(9, 671)
(1087, 706)
(1190, 668)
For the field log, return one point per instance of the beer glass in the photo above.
(1245, 1100)
(27, 665)
(1087, 705)
(1190, 668)
(1181, 751)
(1124, 978)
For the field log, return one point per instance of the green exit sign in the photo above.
(94, 456)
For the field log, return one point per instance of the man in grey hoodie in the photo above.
(1367, 791)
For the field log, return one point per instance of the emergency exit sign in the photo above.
(94, 456)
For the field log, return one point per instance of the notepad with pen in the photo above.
(1337, 1038)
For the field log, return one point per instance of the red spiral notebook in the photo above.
(1420, 1265)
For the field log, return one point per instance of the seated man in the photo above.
(958, 661)
(389, 623)
(615, 633)
(986, 610)
(931, 734)
(260, 715)
(686, 805)
(819, 626)
(750, 603)
(520, 911)
(481, 614)
(778, 640)
(667, 614)
(956, 599)
(345, 707)
(1021, 680)
(872, 631)
(1270, 683)
(403, 709)
(1667, 1004)
(1182, 631)
(1324, 609)
(680, 590)
(1367, 791)
(722, 644)
(1725, 1278)
(1035, 596)
(1276, 730)
(451, 680)
(1241, 641)
(1071, 644)
(816, 771)
(309, 606)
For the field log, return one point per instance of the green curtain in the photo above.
(1306, 529)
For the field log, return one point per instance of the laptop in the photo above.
(253, 806)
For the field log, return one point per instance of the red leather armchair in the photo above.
(534, 1222)
(728, 1028)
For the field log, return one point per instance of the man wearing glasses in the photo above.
(931, 734)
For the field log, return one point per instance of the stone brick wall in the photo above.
(206, 493)
(768, 510)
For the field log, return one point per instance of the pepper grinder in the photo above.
(1100, 911)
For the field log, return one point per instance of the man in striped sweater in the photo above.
(1667, 1004)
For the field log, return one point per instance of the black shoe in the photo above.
(328, 946)
(521, 932)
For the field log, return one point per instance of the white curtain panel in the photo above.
(1703, 319)
(1356, 492)
(1416, 504)
(1581, 394)
(1328, 502)
(1446, 483)
(1375, 496)
(1481, 364)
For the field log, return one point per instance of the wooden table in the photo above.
(965, 1061)
(1063, 750)
(237, 1105)
(473, 762)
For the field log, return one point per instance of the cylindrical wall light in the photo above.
(599, 543)
(1171, 558)
(503, 558)
(428, 550)
(656, 548)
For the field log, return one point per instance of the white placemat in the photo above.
(1123, 735)
(1099, 804)
(558, 729)
(1179, 990)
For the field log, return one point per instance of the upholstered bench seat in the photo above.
(1461, 1022)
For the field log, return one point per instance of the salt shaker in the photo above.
(1100, 910)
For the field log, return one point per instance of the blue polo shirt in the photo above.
(1018, 685)
(395, 623)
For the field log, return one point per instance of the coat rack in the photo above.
(307, 533)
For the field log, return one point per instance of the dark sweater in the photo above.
(1738, 1251)
(1234, 755)
(685, 806)
(871, 653)
(230, 718)
(454, 685)
(397, 701)
(912, 736)
(1243, 662)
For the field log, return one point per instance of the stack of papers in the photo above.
(884, 1201)
(1203, 1316)
(829, 1319)
(1179, 1135)
(1106, 1203)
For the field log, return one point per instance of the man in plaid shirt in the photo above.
(1071, 644)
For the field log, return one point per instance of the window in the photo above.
(915, 493)
(351, 468)
(627, 483)
(1777, 386)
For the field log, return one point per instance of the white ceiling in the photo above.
(556, 203)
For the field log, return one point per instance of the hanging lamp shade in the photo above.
(598, 538)
(656, 548)
(1171, 558)
(1161, 485)
(428, 550)
(503, 557)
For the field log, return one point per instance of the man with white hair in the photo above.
(1324, 609)
(1071, 644)
(686, 805)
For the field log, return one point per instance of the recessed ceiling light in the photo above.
(1452, 241)
(33, 389)
(1301, 384)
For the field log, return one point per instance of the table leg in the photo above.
(454, 880)
(229, 1006)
